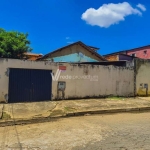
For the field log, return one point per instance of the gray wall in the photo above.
(142, 77)
(107, 80)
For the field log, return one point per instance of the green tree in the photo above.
(13, 44)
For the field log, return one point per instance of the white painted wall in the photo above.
(116, 81)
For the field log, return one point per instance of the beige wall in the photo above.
(117, 81)
(142, 77)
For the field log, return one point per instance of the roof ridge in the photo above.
(78, 42)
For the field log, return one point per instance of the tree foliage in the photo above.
(13, 44)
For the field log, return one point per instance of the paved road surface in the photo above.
(97, 132)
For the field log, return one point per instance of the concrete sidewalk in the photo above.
(40, 111)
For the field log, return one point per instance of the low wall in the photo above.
(82, 81)
(142, 77)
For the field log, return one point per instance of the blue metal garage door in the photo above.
(29, 85)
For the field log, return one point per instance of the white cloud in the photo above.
(69, 42)
(142, 7)
(67, 38)
(109, 14)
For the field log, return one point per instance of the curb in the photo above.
(110, 111)
(4, 123)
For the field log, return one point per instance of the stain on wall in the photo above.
(82, 80)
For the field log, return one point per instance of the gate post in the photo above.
(135, 67)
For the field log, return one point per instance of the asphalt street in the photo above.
(129, 131)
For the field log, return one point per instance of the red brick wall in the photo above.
(140, 53)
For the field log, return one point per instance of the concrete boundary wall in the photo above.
(82, 81)
(142, 77)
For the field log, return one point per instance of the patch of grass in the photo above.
(116, 98)
(5, 116)
(69, 109)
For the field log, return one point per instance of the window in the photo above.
(145, 52)
(134, 55)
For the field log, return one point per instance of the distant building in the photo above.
(118, 57)
(76, 52)
(140, 52)
(32, 56)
